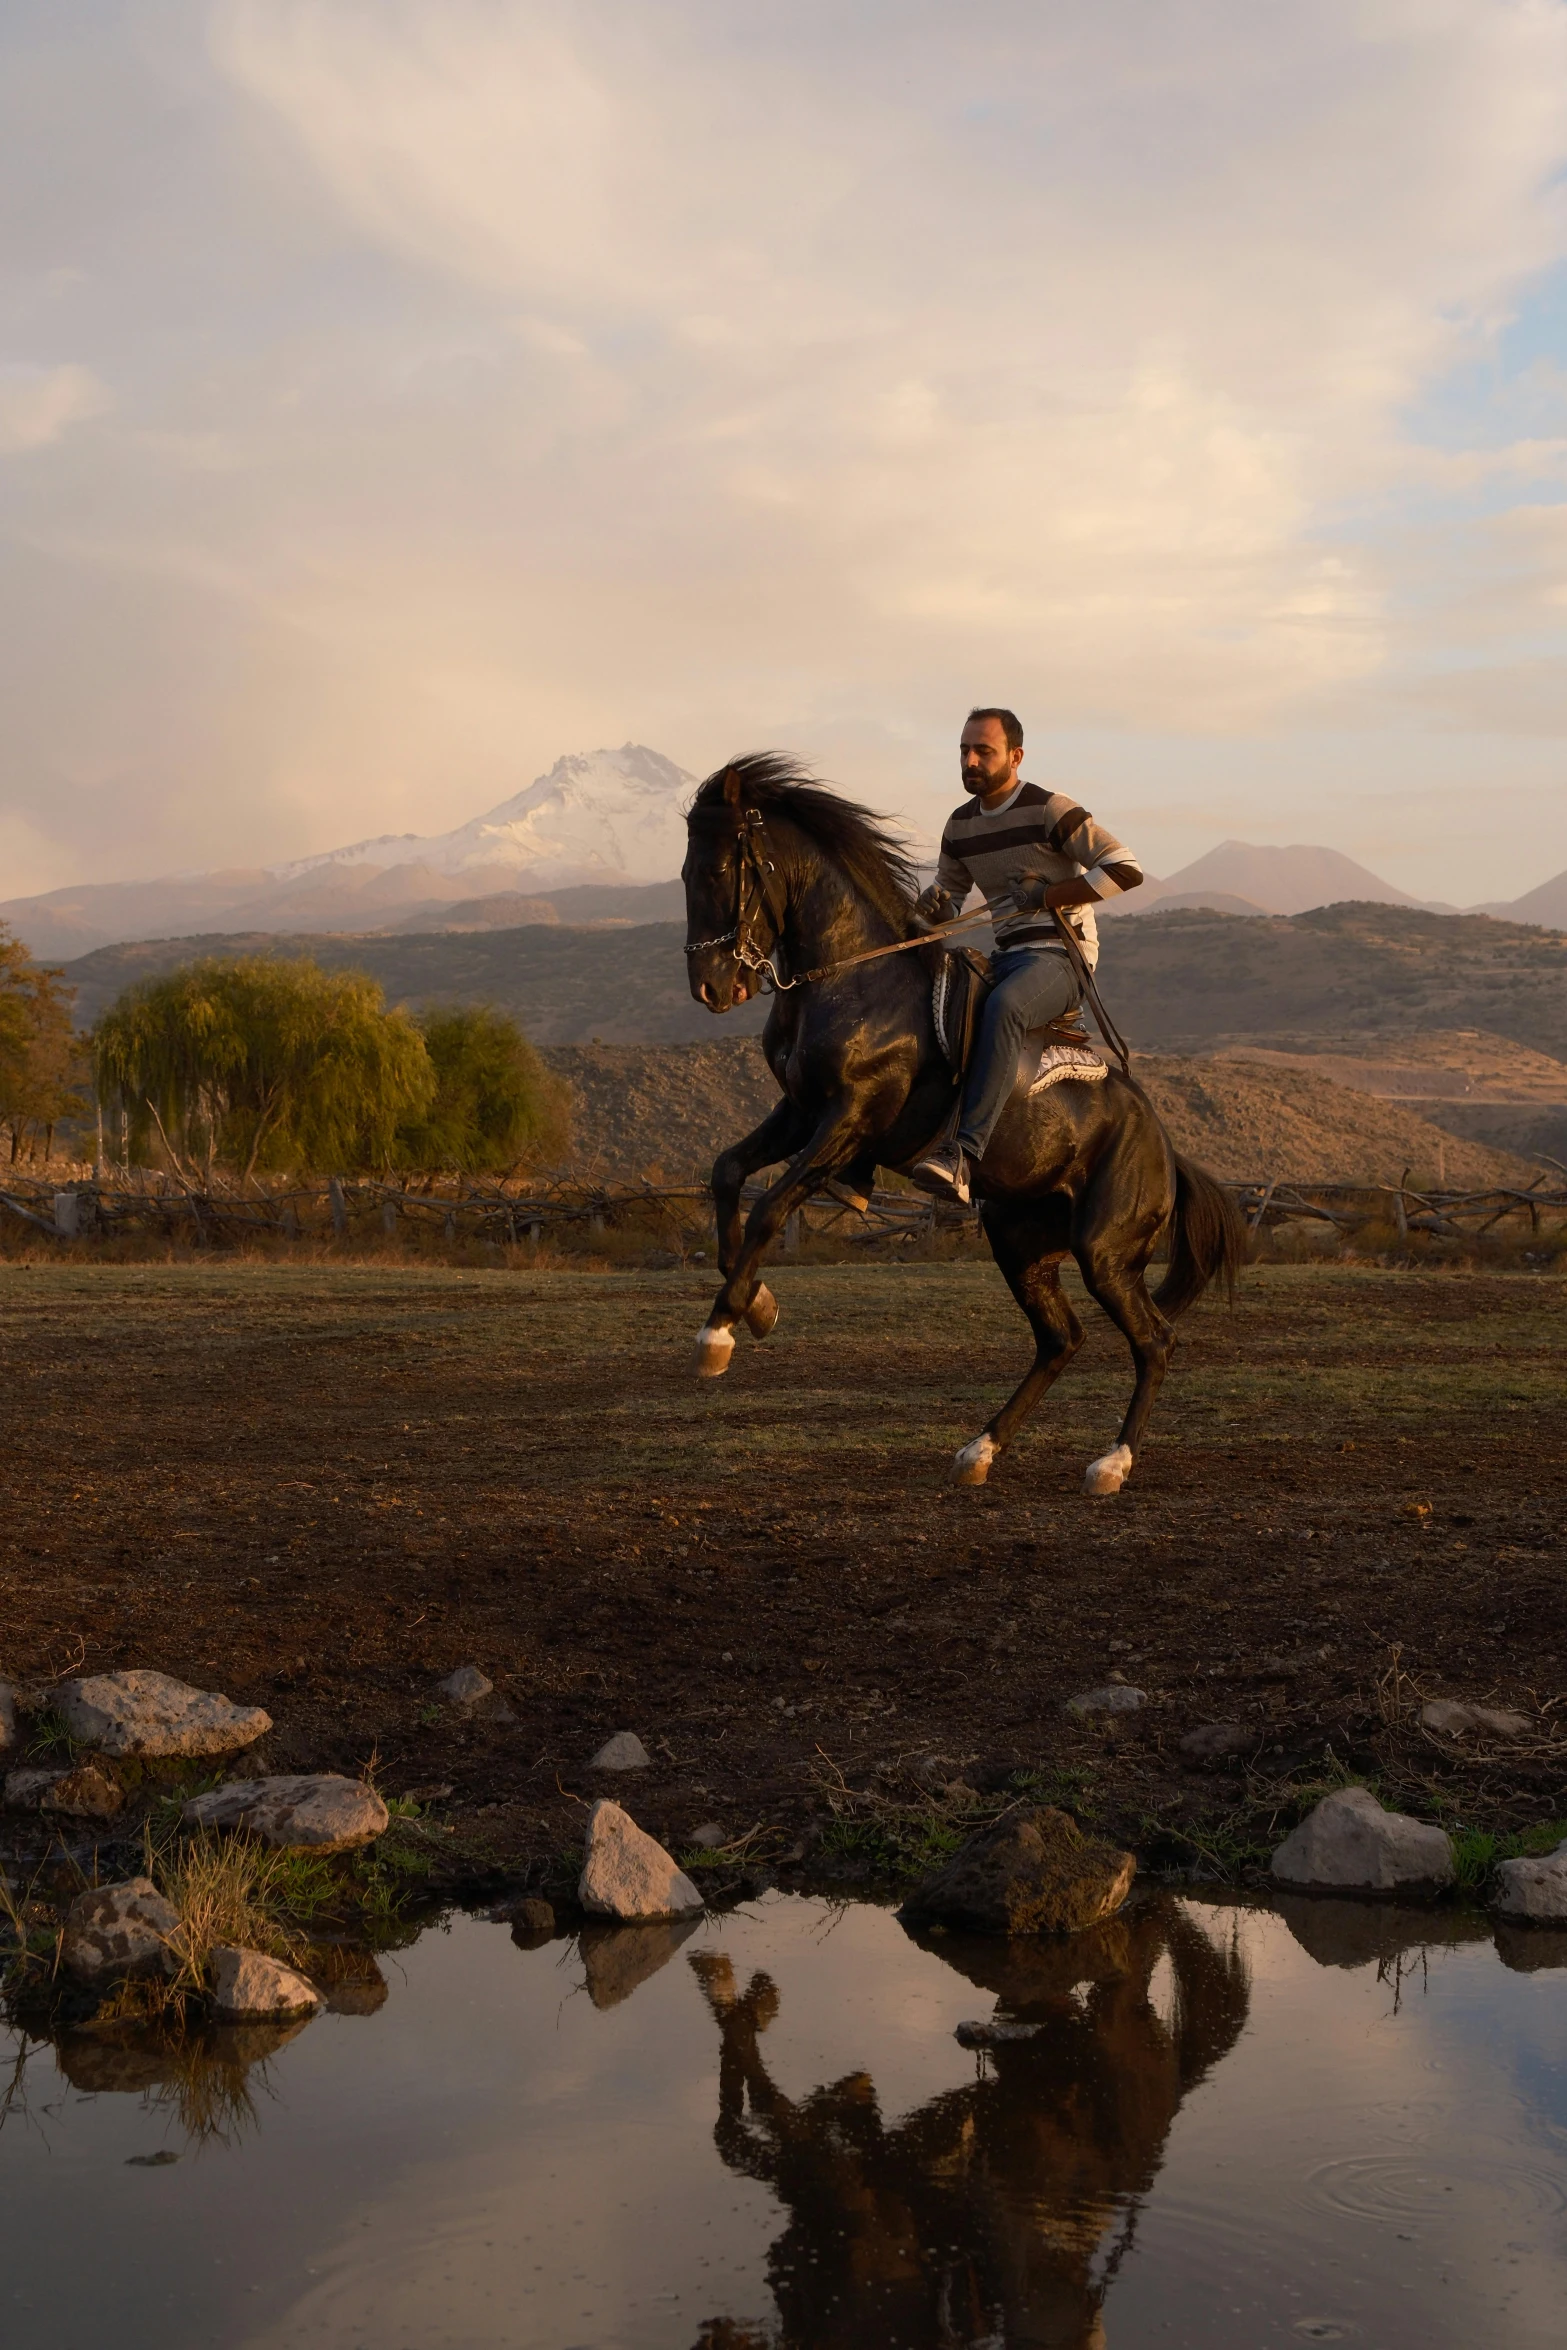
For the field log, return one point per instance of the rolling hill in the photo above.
(1180, 982)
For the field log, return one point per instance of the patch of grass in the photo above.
(1477, 1851)
(1067, 1786)
(895, 1844)
(228, 1890)
(50, 1739)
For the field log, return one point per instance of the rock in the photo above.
(624, 1752)
(26, 1788)
(466, 1686)
(247, 1984)
(1116, 1697)
(84, 1794)
(708, 1837)
(148, 1714)
(1454, 1719)
(625, 1874)
(993, 2034)
(1352, 1845)
(1216, 1739)
(158, 2161)
(617, 1960)
(7, 1717)
(1033, 1871)
(318, 1812)
(116, 1930)
(1534, 1891)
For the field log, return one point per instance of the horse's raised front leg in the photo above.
(835, 1140)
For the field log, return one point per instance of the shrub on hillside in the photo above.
(495, 1102)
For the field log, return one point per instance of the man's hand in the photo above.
(933, 905)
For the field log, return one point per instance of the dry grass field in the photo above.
(322, 1489)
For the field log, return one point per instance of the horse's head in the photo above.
(727, 911)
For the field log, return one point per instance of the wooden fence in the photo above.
(92, 1208)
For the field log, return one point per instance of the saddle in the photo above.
(960, 982)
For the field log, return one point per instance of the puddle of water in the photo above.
(1236, 2128)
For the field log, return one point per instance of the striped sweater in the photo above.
(1034, 836)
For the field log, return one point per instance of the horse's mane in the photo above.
(854, 838)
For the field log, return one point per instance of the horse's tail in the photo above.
(1207, 1239)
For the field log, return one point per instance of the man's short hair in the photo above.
(1009, 722)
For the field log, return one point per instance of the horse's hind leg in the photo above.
(1028, 1245)
(1114, 1279)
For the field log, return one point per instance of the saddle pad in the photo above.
(1067, 1060)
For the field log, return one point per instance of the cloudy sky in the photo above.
(397, 393)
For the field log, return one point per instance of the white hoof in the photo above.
(972, 1465)
(1109, 1473)
(714, 1346)
(761, 1315)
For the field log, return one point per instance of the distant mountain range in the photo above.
(598, 824)
(599, 839)
(1239, 878)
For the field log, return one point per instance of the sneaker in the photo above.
(943, 1171)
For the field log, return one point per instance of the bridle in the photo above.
(750, 867)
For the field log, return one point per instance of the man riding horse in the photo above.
(791, 888)
(1032, 854)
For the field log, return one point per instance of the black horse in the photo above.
(783, 878)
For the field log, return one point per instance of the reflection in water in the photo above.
(998, 2212)
(208, 2076)
(616, 1960)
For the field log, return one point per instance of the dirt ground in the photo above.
(320, 1489)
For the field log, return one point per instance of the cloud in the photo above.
(545, 375)
(39, 404)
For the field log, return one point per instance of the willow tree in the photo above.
(262, 1063)
(495, 1102)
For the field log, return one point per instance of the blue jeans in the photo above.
(1033, 987)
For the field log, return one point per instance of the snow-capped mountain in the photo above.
(614, 819)
(598, 816)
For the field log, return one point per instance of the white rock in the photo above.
(318, 1812)
(466, 1686)
(1117, 1697)
(1452, 1717)
(624, 1752)
(126, 1929)
(7, 1716)
(1351, 1843)
(626, 1874)
(1534, 1889)
(246, 1983)
(141, 1713)
(708, 1837)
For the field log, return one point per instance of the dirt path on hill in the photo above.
(322, 1489)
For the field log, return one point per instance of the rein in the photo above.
(750, 867)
